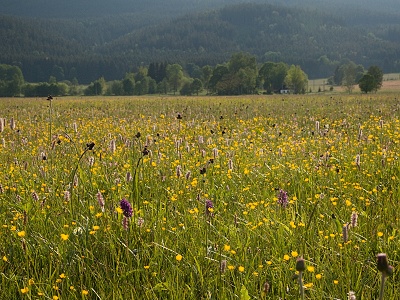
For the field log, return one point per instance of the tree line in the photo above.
(240, 75)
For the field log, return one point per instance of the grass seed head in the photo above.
(100, 200)
(223, 266)
(351, 295)
(112, 146)
(354, 218)
(266, 287)
(345, 233)
(12, 124)
(67, 195)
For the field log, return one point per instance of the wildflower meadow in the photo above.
(255, 197)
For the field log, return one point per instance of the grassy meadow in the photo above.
(227, 195)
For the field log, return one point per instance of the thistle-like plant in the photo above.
(385, 269)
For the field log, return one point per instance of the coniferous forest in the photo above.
(87, 44)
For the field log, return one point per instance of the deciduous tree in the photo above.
(11, 80)
(97, 87)
(175, 76)
(128, 84)
(377, 75)
(272, 76)
(296, 80)
(196, 86)
(366, 83)
(207, 73)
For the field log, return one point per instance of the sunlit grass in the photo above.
(65, 235)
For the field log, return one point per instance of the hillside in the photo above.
(167, 9)
(89, 47)
(78, 9)
(307, 37)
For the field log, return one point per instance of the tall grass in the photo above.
(208, 219)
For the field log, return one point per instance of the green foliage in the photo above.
(191, 86)
(372, 80)
(96, 88)
(174, 76)
(163, 86)
(272, 75)
(244, 294)
(349, 74)
(141, 74)
(128, 84)
(296, 80)
(11, 81)
(238, 76)
(207, 74)
(157, 71)
(240, 61)
(194, 71)
(152, 85)
(377, 75)
(196, 86)
(44, 89)
(219, 73)
(366, 83)
(142, 86)
(348, 71)
(116, 88)
(58, 73)
(74, 87)
(186, 89)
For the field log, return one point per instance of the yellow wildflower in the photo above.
(64, 237)
(178, 257)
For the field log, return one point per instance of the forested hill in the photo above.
(87, 48)
(354, 9)
(310, 38)
(154, 10)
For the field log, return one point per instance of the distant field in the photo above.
(391, 83)
(391, 76)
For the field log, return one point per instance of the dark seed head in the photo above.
(300, 264)
(145, 151)
(90, 146)
(382, 262)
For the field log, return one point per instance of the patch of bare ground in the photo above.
(391, 85)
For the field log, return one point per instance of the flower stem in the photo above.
(383, 279)
(300, 280)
